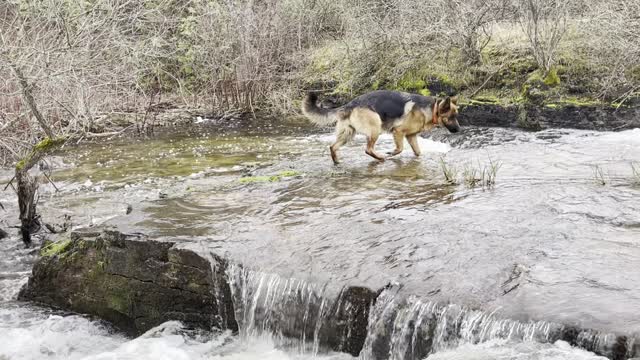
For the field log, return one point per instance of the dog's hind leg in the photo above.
(344, 133)
(398, 138)
(371, 142)
(369, 123)
(413, 141)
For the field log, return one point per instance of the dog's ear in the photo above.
(454, 100)
(445, 105)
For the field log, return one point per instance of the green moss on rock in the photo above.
(118, 301)
(552, 79)
(55, 248)
(48, 143)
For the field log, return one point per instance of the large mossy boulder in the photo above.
(133, 282)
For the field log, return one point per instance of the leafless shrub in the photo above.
(610, 34)
(545, 23)
(470, 24)
(77, 58)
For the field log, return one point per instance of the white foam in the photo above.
(501, 349)
(386, 142)
(428, 145)
(28, 334)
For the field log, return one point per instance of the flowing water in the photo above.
(482, 272)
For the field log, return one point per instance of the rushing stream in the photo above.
(548, 244)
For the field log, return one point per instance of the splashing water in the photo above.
(501, 349)
(414, 329)
(293, 312)
(289, 309)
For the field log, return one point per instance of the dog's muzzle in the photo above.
(453, 128)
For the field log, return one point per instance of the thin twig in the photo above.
(10, 183)
(52, 183)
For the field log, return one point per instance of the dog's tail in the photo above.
(318, 115)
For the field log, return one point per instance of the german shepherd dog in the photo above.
(402, 114)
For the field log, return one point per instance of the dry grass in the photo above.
(635, 170)
(599, 176)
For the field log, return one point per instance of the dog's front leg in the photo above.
(398, 138)
(413, 141)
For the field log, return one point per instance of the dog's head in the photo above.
(448, 113)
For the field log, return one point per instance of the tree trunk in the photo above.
(29, 221)
(27, 185)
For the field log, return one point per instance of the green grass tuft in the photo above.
(450, 172)
(483, 175)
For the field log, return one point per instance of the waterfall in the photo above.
(290, 310)
(411, 329)
(384, 325)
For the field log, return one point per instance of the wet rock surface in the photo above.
(137, 283)
(128, 280)
(544, 117)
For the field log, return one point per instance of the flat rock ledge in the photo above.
(136, 283)
(535, 118)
